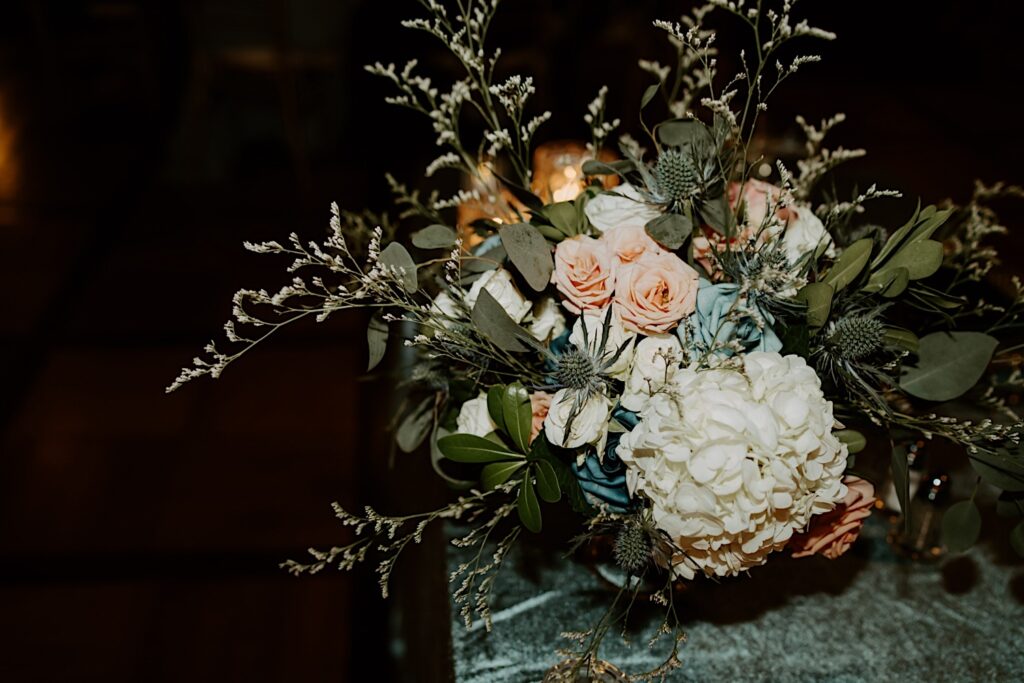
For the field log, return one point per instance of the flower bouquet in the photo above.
(684, 344)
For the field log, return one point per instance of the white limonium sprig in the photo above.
(600, 129)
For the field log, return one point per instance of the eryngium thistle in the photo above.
(857, 336)
(677, 177)
(576, 370)
(632, 548)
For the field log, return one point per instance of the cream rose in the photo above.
(655, 362)
(655, 292)
(630, 242)
(499, 284)
(584, 273)
(831, 534)
(474, 418)
(618, 336)
(540, 403)
(622, 207)
(589, 426)
(805, 234)
(546, 321)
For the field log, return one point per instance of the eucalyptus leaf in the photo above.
(595, 167)
(961, 525)
(904, 339)
(671, 230)
(497, 473)
(818, 297)
(376, 341)
(494, 323)
(434, 237)
(921, 259)
(517, 415)
(933, 221)
(395, 256)
(716, 214)
(528, 507)
(854, 440)
(897, 237)
(563, 216)
(1010, 504)
(889, 282)
(547, 482)
(649, 94)
(949, 364)
(415, 426)
(529, 252)
(551, 234)
(680, 132)
(527, 198)
(850, 264)
(999, 468)
(473, 449)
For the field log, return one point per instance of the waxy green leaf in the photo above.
(517, 415)
(547, 481)
(818, 297)
(949, 364)
(497, 473)
(961, 525)
(528, 507)
(473, 449)
(850, 264)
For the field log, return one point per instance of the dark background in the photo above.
(140, 144)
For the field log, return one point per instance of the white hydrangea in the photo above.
(736, 460)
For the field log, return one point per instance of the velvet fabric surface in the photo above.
(867, 616)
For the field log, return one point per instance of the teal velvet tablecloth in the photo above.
(868, 616)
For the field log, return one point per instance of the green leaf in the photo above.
(716, 214)
(437, 457)
(889, 282)
(495, 405)
(904, 339)
(850, 264)
(528, 199)
(494, 323)
(949, 364)
(1017, 539)
(497, 473)
(416, 425)
(551, 234)
(901, 481)
(395, 256)
(854, 440)
(529, 252)
(818, 297)
(1010, 504)
(680, 132)
(932, 222)
(671, 230)
(547, 481)
(897, 237)
(528, 507)
(961, 526)
(473, 449)
(595, 167)
(563, 216)
(434, 237)
(376, 340)
(518, 415)
(999, 468)
(649, 94)
(921, 259)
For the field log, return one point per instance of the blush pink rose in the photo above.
(758, 197)
(630, 242)
(831, 534)
(584, 273)
(540, 402)
(655, 292)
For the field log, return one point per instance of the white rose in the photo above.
(499, 284)
(590, 425)
(805, 234)
(445, 304)
(655, 361)
(623, 205)
(474, 418)
(547, 321)
(617, 336)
